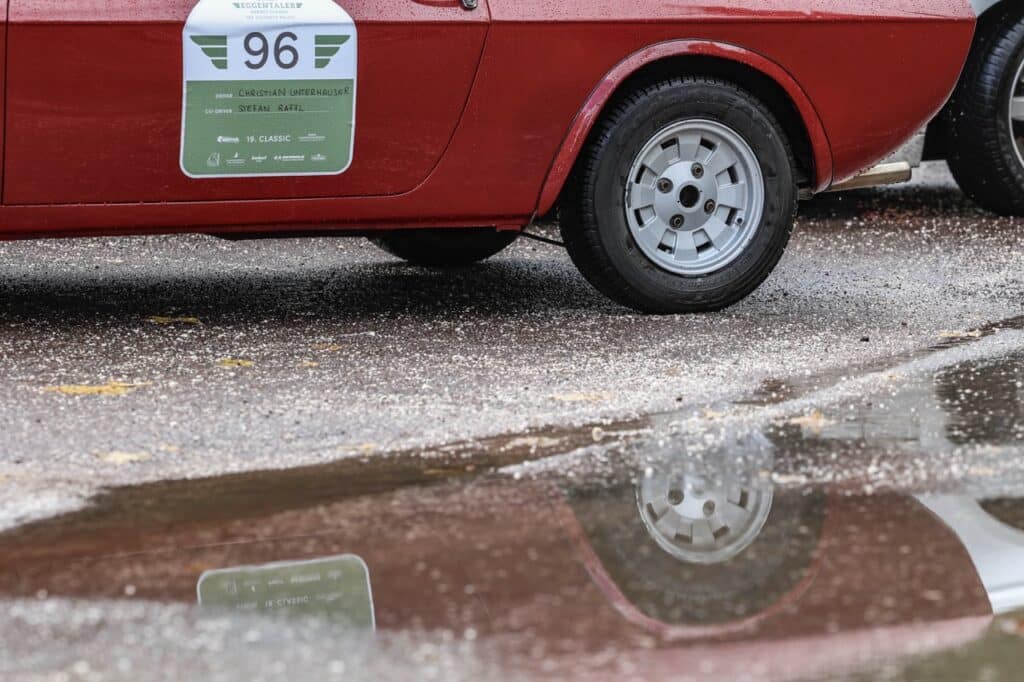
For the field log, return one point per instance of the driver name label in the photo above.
(270, 89)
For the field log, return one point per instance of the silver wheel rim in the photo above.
(700, 522)
(694, 197)
(1016, 113)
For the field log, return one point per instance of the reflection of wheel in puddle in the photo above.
(700, 521)
(701, 544)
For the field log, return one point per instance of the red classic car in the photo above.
(674, 138)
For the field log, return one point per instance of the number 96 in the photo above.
(257, 45)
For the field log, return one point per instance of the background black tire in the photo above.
(447, 248)
(594, 225)
(978, 137)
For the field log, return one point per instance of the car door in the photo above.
(3, 69)
(95, 110)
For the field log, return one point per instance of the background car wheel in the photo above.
(445, 248)
(984, 121)
(684, 198)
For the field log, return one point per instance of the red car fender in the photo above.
(591, 110)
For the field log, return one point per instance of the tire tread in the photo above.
(445, 248)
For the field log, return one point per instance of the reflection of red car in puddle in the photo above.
(554, 578)
(832, 582)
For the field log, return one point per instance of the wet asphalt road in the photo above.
(823, 482)
(878, 535)
(143, 359)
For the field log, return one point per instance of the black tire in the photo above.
(447, 248)
(978, 136)
(594, 225)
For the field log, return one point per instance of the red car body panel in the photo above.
(3, 81)
(464, 117)
(591, 112)
(117, 136)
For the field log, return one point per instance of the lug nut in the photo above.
(665, 185)
(697, 170)
(677, 221)
(710, 206)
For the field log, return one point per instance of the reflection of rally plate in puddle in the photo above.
(702, 522)
(337, 588)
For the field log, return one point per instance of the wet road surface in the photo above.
(248, 460)
(124, 361)
(654, 554)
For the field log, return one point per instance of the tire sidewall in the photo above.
(1004, 93)
(649, 116)
(975, 129)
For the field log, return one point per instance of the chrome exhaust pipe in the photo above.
(882, 174)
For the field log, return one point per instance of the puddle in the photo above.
(774, 390)
(884, 532)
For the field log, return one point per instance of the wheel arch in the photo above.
(766, 79)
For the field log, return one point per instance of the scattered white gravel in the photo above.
(261, 355)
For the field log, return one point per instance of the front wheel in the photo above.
(683, 200)
(446, 248)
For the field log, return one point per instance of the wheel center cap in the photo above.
(690, 196)
(684, 206)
